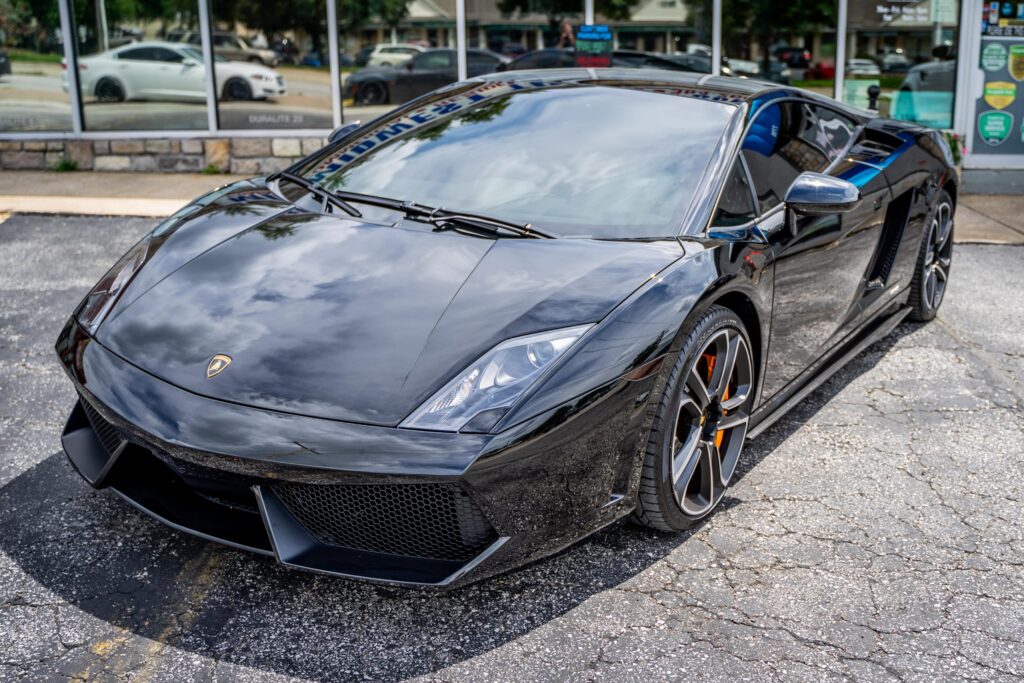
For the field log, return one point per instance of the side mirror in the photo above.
(189, 63)
(342, 131)
(817, 194)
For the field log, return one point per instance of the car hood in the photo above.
(336, 318)
(247, 69)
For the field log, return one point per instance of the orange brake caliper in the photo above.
(710, 359)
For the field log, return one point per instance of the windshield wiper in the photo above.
(440, 218)
(323, 195)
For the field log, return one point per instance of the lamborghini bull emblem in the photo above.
(217, 365)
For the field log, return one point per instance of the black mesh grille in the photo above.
(437, 521)
(107, 433)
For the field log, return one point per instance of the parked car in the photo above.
(821, 71)
(862, 67)
(926, 95)
(481, 327)
(793, 57)
(227, 45)
(363, 55)
(895, 62)
(170, 71)
(5, 64)
(426, 71)
(393, 54)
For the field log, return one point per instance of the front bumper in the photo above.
(382, 504)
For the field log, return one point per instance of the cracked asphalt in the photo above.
(876, 533)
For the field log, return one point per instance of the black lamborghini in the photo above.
(517, 309)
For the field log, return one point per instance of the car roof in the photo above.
(152, 43)
(724, 89)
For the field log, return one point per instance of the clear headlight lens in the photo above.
(484, 391)
(104, 294)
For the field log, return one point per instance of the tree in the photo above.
(767, 20)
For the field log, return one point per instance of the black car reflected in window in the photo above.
(574, 161)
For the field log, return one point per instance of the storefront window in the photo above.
(908, 50)
(790, 44)
(33, 91)
(272, 64)
(132, 73)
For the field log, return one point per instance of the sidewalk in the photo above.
(986, 219)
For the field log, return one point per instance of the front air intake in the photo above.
(435, 520)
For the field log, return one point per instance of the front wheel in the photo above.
(237, 89)
(933, 261)
(373, 93)
(700, 425)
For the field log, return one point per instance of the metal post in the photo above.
(206, 42)
(67, 32)
(335, 67)
(716, 37)
(102, 32)
(460, 38)
(588, 11)
(841, 50)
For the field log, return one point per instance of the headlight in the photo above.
(101, 299)
(484, 391)
(261, 77)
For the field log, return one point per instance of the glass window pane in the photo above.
(777, 150)
(736, 205)
(132, 75)
(272, 64)
(33, 85)
(907, 50)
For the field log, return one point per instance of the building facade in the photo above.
(248, 86)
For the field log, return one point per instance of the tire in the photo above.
(696, 437)
(109, 90)
(373, 93)
(237, 89)
(933, 260)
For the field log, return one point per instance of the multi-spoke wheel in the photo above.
(936, 255)
(699, 425)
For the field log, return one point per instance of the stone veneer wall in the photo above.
(247, 156)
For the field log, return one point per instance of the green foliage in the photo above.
(65, 165)
(212, 169)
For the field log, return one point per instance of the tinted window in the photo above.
(144, 54)
(164, 55)
(777, 149)
(571, 160)
(736, 205)
(831, 131)
(478, 63)
(441, 59)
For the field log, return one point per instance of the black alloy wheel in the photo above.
(934, 260)
(700, 425)
(373, 93)
(237, 89)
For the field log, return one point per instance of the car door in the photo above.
(480, 63)
(819, 261)
(179, 77)
(138, 69)
(425, 72)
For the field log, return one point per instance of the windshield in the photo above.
(600, 161)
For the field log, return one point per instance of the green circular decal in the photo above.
(995, 126)
(993, 57)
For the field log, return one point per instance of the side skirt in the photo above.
(770, 412)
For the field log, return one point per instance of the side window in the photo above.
(442, 59)
(777, 150)
(478, 63)
(141, 54)
(832, 131)
(165, 55)
(736, 205)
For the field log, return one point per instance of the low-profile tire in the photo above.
(373, 93)
(109, 90)
(933, 260)
(700, 424)
(237, 89)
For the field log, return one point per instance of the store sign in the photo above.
(993, 57)
(594, 46)
(1017, 62)
(1000, 94)
(995, 126)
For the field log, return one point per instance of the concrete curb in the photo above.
(92, 206)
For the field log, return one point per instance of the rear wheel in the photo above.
(699, 426)
(933, 261)
(109, 90)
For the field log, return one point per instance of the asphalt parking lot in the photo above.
(876, 533)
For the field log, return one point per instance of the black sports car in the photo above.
(481, 327)
(423, 73)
